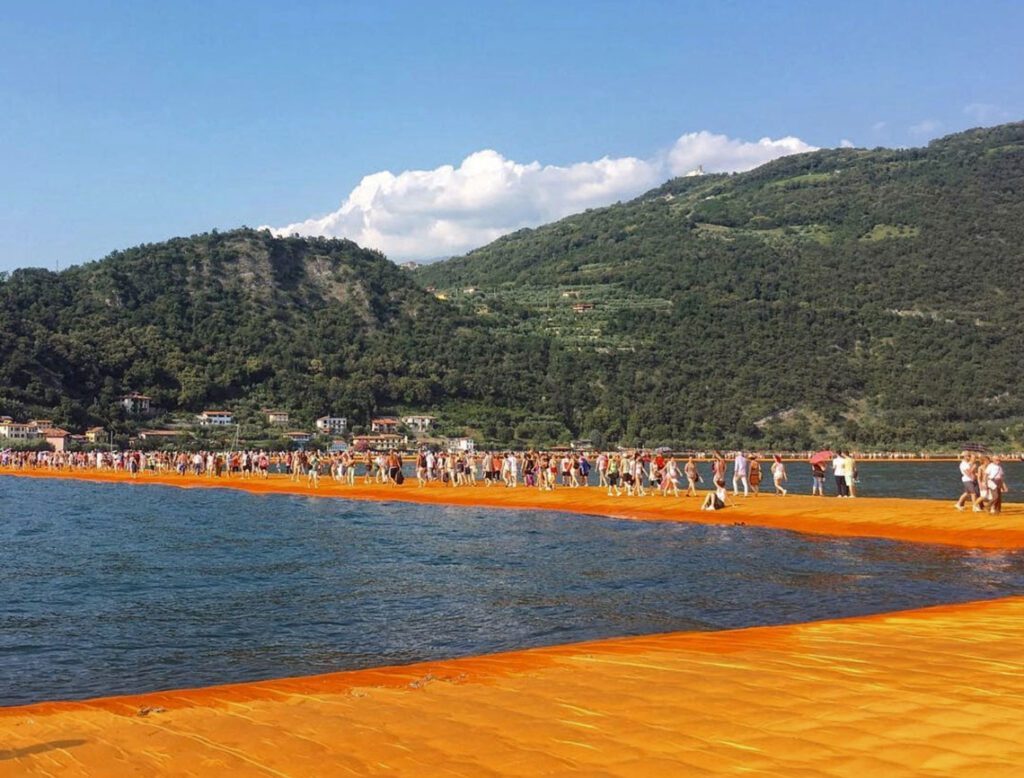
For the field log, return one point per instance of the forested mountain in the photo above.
(843, 296)
(868, 296)
(312, 325)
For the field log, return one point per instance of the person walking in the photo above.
(995, 480)
(818, 479)
(613, 475)
(718, 471)
(779, 476)
(740, 470)
(755, 474)
(850, 475)
(968, 481)
(692, 477)
(839, 473)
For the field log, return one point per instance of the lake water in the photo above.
(915, 480)
(934, 480)
(111, 588)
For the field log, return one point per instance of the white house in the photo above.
(332, 425)
(298, 437)
(16, 431)
(215, 418)
(420, 423)
(465, 445)
(136, 404)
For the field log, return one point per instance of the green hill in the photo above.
(244, 319)
(866, 296)
(845, 296)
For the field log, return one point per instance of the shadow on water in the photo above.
(39, 748)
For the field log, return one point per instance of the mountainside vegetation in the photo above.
(869, 298)
(243, 319)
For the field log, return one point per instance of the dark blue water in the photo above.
(112, 589)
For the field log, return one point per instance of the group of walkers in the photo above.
(984, 483)
(635, 473)
(632, 474)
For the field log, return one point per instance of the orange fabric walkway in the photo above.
(922, 521)
(934, 692)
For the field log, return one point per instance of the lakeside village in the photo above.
(276, 430)
(217, 428)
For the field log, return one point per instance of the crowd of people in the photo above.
(632, 474)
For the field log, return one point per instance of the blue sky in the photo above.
(123, 123)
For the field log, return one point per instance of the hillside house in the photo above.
(17, 431)
(383, 442)
(277, 417)
(215, 418)
(95, 435)
(332, 425)
(136, 404)
(419, 422)
(385, 425)
(462, 445)
(165, 435)
(56, 437)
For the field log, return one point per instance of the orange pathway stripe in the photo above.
(931, 692)
(923, 521)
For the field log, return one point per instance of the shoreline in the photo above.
(895, 694)
(900, 519)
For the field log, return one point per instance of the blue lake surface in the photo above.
(906, 479)
(111, 589)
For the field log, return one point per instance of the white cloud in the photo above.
(928, 127)
(421, 214)
(721, 154)
(845, 143)
(879, 126)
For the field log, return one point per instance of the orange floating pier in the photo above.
(920, 521)
(933, 692)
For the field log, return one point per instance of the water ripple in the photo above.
(114, 589)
